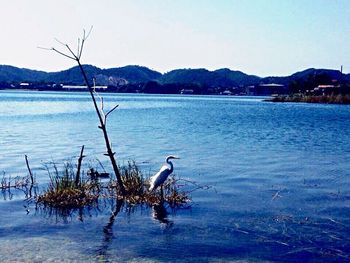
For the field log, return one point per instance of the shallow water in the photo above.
(279, 176)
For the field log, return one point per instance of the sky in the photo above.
(259, 37)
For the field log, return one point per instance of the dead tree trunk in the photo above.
(100, 114)
(102, 126)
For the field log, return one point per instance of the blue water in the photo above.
(279, 177)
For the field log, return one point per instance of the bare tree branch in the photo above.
(78, 48)
(73, 54)
(60, 42)
(102, 105)
(58, 51)
(88, 34)
(45, 48)
(111, 110)
(85, 37)
(61, 53)
(81, 48)
(68, 47)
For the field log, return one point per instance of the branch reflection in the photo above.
(108, 230)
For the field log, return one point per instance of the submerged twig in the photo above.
(77, 177)
(29, 170)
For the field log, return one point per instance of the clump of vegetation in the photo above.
(331, 99)
(65, 192)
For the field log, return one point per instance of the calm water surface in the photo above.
(279, 175)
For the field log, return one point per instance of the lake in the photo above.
(278, 176)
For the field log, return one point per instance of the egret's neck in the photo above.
(171, 165)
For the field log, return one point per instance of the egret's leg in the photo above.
(161, 193)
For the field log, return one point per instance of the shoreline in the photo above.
(115, 92)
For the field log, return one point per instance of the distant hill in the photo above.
(130, 74)
(73, 75)
(195, 76)
(14, 74)
(334, 74)
(238, 78)
(133, 74)
(222, 78)
(304, 75)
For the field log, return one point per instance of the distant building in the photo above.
(186, 91)
(226, 92)
(325, 89)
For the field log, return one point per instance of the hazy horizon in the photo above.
(263, 38)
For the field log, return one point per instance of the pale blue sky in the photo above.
(261, 37)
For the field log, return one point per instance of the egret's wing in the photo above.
(159, 177)
(163, 168)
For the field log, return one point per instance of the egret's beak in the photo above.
(172, 157)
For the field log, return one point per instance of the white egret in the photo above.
(159, 178)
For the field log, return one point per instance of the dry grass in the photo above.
(8, 182)
(25, 184)
(68, 198)
(63, 192)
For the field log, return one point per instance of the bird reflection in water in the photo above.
(160, 214)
